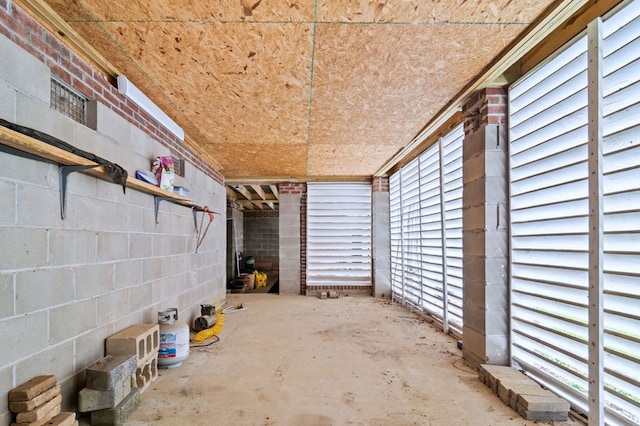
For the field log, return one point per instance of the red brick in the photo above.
(496, 90)
(96, 87)
(496, 100)
(59, 72)
(497, 109)
(84, 68)
(81, 87)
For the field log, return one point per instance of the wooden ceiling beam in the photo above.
(243, 191)
(274, 189)
(258, 190)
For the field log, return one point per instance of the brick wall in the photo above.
(380, 184)
(488, 106)
(292, 188)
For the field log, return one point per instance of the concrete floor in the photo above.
(296, 360)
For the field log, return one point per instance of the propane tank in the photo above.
(174, 339)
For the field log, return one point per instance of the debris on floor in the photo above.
(329, 294)
(109, 395)
(38, 402)
(523, 394)
(143, 341)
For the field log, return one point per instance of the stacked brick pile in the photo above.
(143, 341)
(115, 382)
(37, 403)
(108, 394)
(523, 394)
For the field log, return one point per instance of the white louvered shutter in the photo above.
(431, 233)
(549, 221)
(395, 212)
(411, 244)
(621, 188)
(339, 234)
(426, 232)
(550, 232)
(451, 169)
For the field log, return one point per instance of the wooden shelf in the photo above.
(45, 151)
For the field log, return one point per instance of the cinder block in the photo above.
(8, 106)
(542, 403)
(323, 295)
(46, 396)
(94, 399)
(38, 289)
(118, 415)
(41, 414)
(23, 70)
(13, 331)
(491, 375)
(110, 371)
(546, 416)
(523, 394)
(109, 243)
(141, 339)
(71, 247)
(510, 391)
(112, 306)
(333, 294)
(64, 320)
(109, 123)
(125, 271)
(8, 189)
(530, 388)
(32, 388)
(147, 373)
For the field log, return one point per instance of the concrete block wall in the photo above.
(485, 229)
(303, 240)
(262, 236)
(291, 241)
(381, 217)
(66, 285)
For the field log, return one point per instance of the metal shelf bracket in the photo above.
(64, 172)
(157, 199)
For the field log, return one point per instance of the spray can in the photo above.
(174, 339)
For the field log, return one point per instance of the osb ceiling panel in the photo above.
(304, 88)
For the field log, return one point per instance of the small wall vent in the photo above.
(67, 101)
(178, 165)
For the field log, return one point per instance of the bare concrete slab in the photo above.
(296, 360)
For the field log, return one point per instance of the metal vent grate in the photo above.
(68, 102)
(178, 166)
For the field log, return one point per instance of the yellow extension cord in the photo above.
(210, 332)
